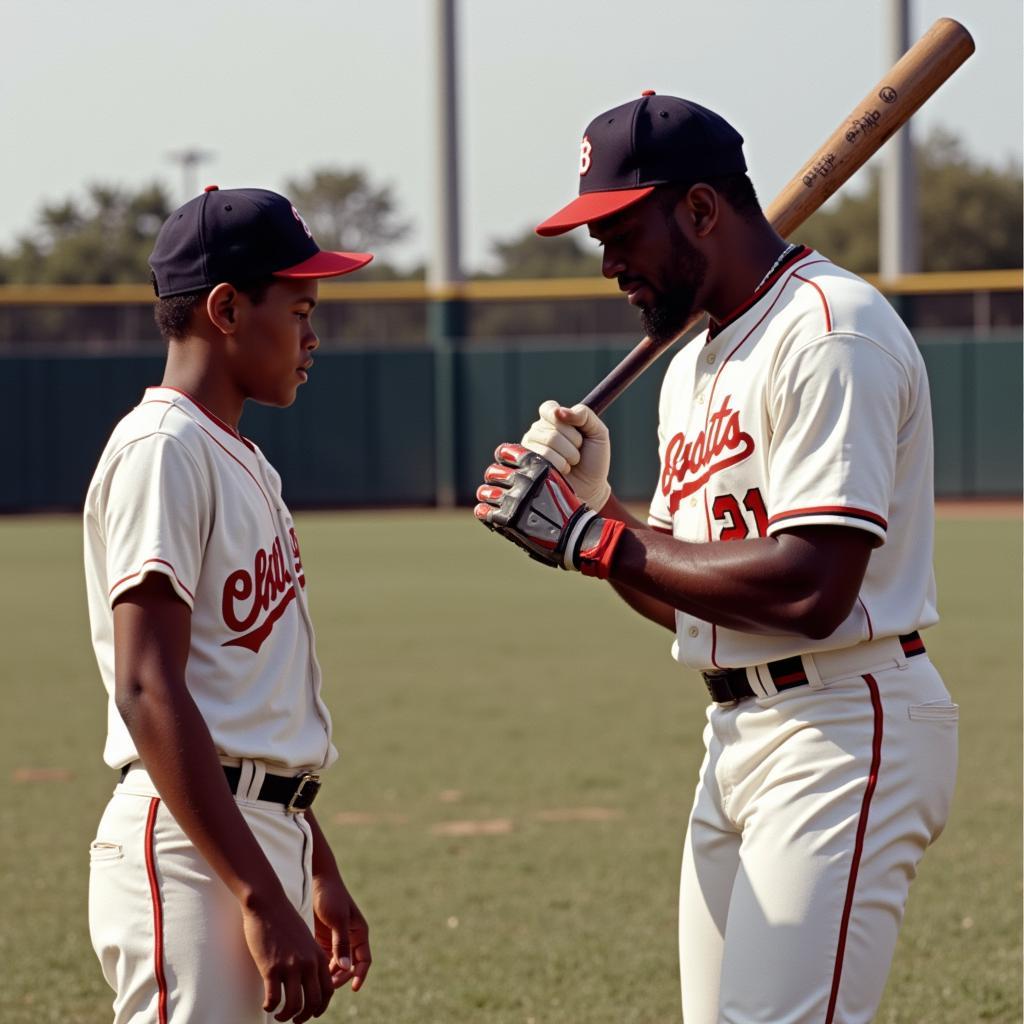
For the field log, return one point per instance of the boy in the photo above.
(214, 895)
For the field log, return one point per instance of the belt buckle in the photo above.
(715, 683)
(305, 793)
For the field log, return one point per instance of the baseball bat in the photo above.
(910, 81)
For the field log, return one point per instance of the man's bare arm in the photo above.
(802, 582)
(649, 607)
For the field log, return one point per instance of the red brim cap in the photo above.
(591, 206)
(327, 264)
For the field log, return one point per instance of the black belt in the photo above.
(732, 685)
(296, 792)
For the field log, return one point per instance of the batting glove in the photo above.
(526, 500)
(577, 444)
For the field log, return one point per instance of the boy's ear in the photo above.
(222, 308)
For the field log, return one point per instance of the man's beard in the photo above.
(666, 318)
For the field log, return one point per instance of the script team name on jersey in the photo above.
(689, 464)
(268, 588)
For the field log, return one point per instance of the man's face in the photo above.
(661, 271)
(274, 341)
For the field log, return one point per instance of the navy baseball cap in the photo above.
(654, 140)
(239, 234)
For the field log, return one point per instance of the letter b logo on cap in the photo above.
(305, 226)
(585, 148)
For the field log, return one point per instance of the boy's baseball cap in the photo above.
(654, 140)
(239, 234)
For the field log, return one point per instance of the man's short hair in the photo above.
(173, 314)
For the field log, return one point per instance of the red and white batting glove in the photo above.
(576, 442)
(525, 499)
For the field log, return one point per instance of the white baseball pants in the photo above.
(812, 811)
(167, 931)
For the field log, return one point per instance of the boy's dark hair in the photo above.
(173, 314)
(736, 189)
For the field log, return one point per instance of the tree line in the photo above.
(970, 213)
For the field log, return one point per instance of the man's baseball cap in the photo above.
(239, 234)
(654, 140)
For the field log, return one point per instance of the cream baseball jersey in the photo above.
(178, 492)
(809, 405)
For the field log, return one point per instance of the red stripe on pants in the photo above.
(158, 914)
(862, 825)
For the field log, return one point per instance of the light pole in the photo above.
(190, 159)
(899, 251)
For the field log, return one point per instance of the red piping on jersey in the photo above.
(862, 824)
(223, 426)
(131, 576)
(824, 302)
(867, 615)
(242, 464)
(831, 510)
(714, 628)
(158, 914)
(716, 326)
(226, 427)
(742, 341)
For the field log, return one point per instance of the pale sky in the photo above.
(104, 90)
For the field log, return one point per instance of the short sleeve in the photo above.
(835, 406)
(155, 516)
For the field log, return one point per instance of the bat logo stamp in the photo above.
(864, 124)
(819, 169)
(887, 94)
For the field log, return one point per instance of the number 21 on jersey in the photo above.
(726, 510)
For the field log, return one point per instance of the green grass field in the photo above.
(518, 758)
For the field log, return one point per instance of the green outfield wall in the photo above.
(366, 430)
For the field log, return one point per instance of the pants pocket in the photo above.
(934, 711)
(101, 851)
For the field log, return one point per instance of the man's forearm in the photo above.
(800, 583)
(649, 607)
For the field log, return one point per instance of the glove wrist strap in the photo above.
(575, 540)
(595, 548)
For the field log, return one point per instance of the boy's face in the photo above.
(274, 341)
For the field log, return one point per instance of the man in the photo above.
(796, 427)
(214, 895)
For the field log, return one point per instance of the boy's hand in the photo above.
(292, 965)
(342, 931)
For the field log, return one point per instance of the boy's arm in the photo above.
(152, 630)
(341, 929)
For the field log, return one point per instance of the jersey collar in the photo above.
(717, 326)
(152, 393)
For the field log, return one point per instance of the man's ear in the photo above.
(702, 208)
(222, 308)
